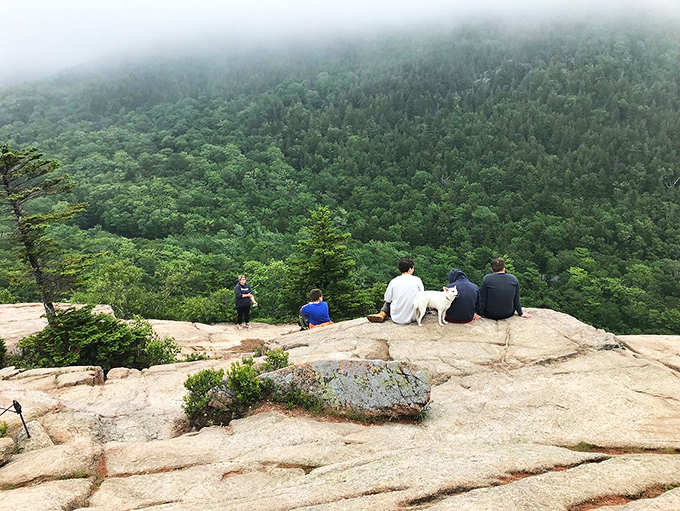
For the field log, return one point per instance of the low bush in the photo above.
(242, 379)
(208, 309)
(201, 386)
(277, 359)
(231, 394)
(78, 337)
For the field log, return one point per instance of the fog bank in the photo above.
(40, 37)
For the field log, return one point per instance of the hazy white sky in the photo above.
(43, 36)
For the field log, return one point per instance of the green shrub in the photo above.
(242, 379)
(230, 395)
(260, 351)
(79, 337)
(158, 350)
(6, 296)
(277, 359)
(200, 387)
(208, 309)
(3, 352)
(3, 430)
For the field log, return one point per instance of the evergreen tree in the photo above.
(320, 260)
(26, 176)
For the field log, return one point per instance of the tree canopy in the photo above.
(556, 147)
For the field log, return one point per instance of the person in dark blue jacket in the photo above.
(465, 307)
(499, 293)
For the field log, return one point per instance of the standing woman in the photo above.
(243, 294)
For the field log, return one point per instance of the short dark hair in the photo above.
(315, 294)
(405, 264)
(497, 264)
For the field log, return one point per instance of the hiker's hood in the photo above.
(456, 274)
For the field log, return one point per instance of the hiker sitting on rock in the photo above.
(499, 293)
(465, 307)
(399, 296)
(315, 313)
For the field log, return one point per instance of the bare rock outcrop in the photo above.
(525, 414)
(664, 348)
(222, 339)
(49, 496)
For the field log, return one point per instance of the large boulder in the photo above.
(364, 388)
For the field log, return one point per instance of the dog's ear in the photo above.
(445, 288)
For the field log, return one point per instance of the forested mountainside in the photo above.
(556, 147)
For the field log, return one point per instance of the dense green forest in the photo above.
(556, 147)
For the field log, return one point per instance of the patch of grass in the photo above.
(422, 414)
(78, 474)
(3, 430)
(295, 397)
(195, 357)
(584, 447)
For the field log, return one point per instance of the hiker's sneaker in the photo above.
(248, 326)
(377, 318)
(239, 326)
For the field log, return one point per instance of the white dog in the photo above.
(440, 300)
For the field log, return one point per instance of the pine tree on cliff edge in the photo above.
(25, 175)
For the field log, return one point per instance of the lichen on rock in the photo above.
(369, 388)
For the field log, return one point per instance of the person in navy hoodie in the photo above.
(465, 307)
(315, 313)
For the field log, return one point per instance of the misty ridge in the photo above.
(223, 57)
(294, 33)
(554, 145)
(67, 34)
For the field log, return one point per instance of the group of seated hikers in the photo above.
(496, 298)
